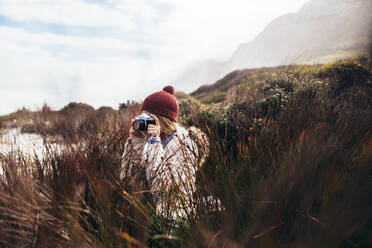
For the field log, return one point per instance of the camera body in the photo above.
(142, 121)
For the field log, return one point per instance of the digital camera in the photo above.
(142, 121)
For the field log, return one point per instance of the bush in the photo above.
(294, 176)
(346, 74)
(214, 98)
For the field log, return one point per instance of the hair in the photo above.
(167, 125)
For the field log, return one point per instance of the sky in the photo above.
(105, 52)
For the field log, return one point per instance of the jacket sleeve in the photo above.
(171, 174)
(132, 159)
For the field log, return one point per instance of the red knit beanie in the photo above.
(163, 103)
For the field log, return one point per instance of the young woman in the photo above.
(165, 158)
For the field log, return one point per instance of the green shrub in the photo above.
(345, 74)
(214, 98)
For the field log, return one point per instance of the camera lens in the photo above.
(136, 125)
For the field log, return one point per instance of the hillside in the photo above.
(232, 79)
(289, 165)
(322, 31)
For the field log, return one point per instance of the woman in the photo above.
(165, 158)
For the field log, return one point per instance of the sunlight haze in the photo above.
(106, 52)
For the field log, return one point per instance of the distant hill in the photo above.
(322, 31)
(231, 79)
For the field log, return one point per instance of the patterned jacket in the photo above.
(166, 169)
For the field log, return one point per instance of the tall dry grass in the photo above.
(289, 166)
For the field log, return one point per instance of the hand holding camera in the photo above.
(145, 125)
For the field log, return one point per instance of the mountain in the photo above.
(321, 31)
(198, 73)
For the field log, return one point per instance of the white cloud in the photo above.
(152, 38)
(32, 76)
(66, 12)
(15, 35)
(140, 9)
(192, 30)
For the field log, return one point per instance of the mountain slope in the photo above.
(321, 31)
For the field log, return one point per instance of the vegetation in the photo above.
(289, 166)
(214, 98)
(17, 118)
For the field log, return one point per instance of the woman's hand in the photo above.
(154, 130)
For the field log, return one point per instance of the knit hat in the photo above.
(163, 103)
